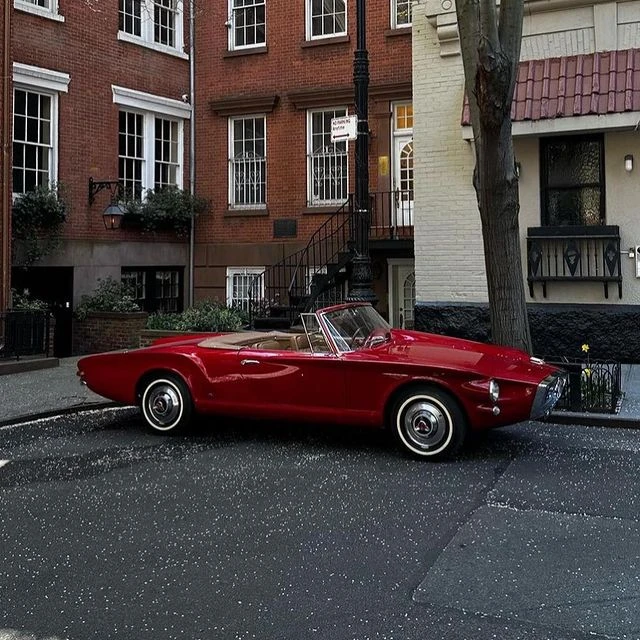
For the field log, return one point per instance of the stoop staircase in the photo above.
(307, 279)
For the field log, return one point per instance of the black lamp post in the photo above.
(361, 280)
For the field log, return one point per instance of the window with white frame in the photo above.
(326, 18)
(247, 24)
(154, 22)
(328, 176)
(35, 125)
(244, 286)
(247, 162)
(400, 13)
(150, 141)
(45, 8)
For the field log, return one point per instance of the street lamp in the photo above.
(361, 280)
(114, 213)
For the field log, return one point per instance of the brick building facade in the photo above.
(101, 91)
(268, 82)
(96, 93)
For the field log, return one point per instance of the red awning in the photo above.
(591, 84)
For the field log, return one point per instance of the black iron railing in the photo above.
(391, 215)
(294, 284)
(594, 386)
(315, 275)
(574, 254)
(24, 333)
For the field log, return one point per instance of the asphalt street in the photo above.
(289, 532)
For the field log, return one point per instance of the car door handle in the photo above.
(243, 362)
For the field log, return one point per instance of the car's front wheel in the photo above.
(428, 422)
(166, 404)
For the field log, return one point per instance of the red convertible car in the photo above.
(344, 365)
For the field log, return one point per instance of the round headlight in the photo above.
(494, 391)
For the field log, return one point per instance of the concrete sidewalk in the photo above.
(50, 391)
(43, 392)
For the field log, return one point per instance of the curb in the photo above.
(52, 413)
(593, 420)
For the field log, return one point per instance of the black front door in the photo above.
(54, 285)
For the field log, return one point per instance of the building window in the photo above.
(572, 180)
(35, 125)
(247, 162)
(244, 286)
(32, 140)
(400, 13)
(44, 8)
(326, 18)
(155, 22)
(156, 289)
(327, 161)
(131, 152)
(247, 26)
(167, 160)
(150, 140)
(147, 141)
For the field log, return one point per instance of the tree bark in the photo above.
(490, 45)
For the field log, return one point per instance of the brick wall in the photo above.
(85, 45)
(104, 331)
(288, 65)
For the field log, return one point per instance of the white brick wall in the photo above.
(449, 256)
(448, 241)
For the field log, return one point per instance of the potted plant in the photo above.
(166, 209)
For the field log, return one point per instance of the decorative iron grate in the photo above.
(24, 333)
(592, 387)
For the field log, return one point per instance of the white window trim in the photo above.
(231, 195)
(241, 271)
(51, 83)
(150, 102)
(150, 106)
(51, 13)
(123, 36)
(394, 17)
(231, 23)
(322, 203)
(40, 78)
(147, 30)
(308, 26)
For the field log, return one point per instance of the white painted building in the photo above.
(576, 128)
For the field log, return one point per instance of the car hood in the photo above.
(466, 355)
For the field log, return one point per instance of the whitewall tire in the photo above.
(428, 423)
(166, 404)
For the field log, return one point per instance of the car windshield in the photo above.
(350, 327)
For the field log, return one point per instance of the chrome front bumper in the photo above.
(547, 395)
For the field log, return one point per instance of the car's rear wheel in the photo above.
(428, 422)
(166, 404)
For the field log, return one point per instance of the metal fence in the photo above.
(24, 333)
(593, 386)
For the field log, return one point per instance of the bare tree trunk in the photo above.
(490, 45)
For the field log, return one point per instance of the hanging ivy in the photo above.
(37, 217)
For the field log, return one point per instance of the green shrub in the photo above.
(24, 302)
(109, 295)
(203, 316)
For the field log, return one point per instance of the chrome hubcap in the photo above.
(425, 424)
(163, 404)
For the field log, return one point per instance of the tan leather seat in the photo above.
(273, 345)
(300, 342)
